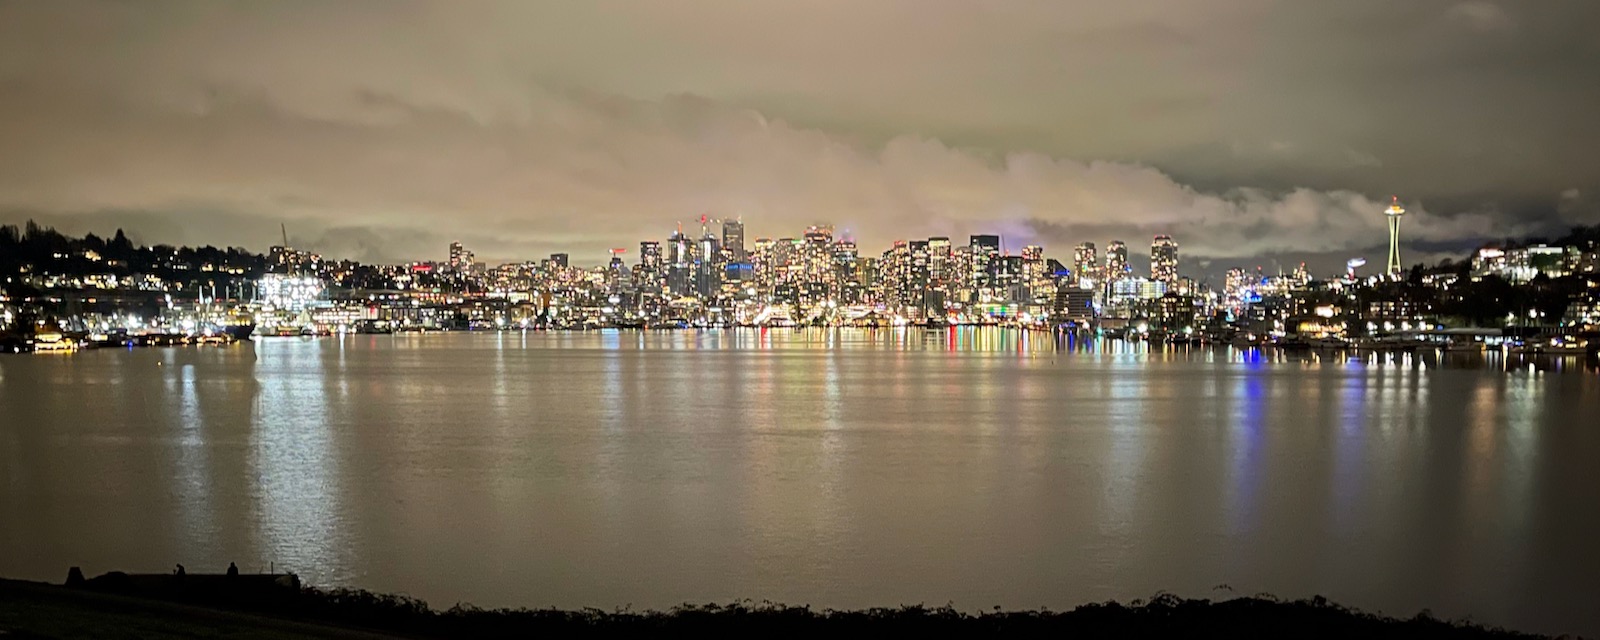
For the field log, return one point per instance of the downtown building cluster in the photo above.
(717, 276)
(713, 274)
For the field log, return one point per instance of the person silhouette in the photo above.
(180, 570)
(233, 570)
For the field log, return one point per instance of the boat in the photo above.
(1463, 346)
(52, 338)
(279, 331)
(241, 331)
(14, 344)
(1554, 346)
(1328, 343)
(373, 327)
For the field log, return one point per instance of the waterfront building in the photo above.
(1520, 265)
(289, 293)
(1074, 304)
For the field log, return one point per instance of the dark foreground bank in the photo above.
(38, 610)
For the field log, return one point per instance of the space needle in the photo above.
(1394, 212)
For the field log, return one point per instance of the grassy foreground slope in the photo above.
(35, 610)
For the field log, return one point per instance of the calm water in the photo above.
(834, 468)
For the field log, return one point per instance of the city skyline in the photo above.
(491, 124)
(668, 316)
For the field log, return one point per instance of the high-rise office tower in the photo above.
(1164, 260)
(761, 262)
(1117, 261)
(939, 256)
(985, 254)
(680, 263)
(733, 240)
(816, 273)
(786, 261)
(560, 260)
(895, 272)
(708, 267)
(650, 266)
(1236, 284)
(1086, 265)
(845, 277)
(458, 256)
(962, 286)
(919, 263)
(617, 275)
(867, 272)
(1033, 272)
(1009, 275)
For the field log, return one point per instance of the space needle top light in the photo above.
(1393, 213)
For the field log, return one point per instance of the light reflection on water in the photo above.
(836, 468)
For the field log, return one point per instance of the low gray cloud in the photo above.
(381, 131)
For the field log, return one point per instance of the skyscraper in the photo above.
(650, 266)
(680, 262)
(1394, 212)
(919, 263)
(896, 273)
(985, 254)
(1116, 261)
(457, 253)
(617, 276)
(1086, 265)
(560, 260)
(708, 270)
(1164, 260)
(845, 275)
(762, 262)
(939, 261)
(733, 240)
(461, 260)
(1236, 284)
(1033, 271)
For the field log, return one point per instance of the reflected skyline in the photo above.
(822, 467)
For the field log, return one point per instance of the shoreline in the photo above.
(38, 609)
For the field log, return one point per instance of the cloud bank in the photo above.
(381, 132)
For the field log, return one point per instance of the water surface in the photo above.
(835, 468)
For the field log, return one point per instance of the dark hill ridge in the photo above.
(29, 610)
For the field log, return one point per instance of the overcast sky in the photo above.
(380, 131)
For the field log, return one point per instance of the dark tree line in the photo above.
(1489, 300)
(45, 251)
